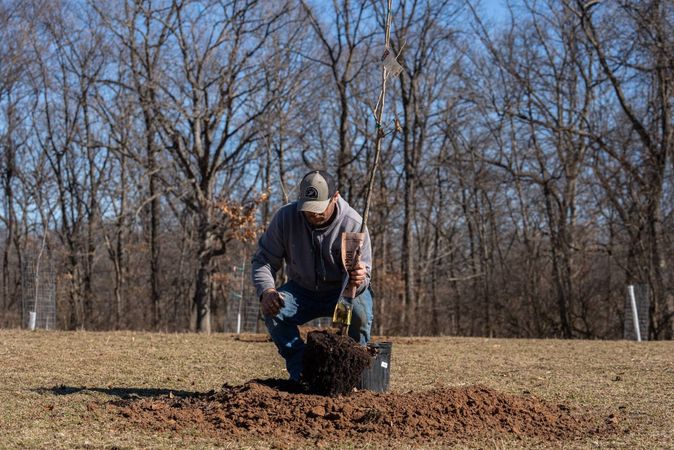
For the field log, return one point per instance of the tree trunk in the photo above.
(558, 270)
(154, 237)
(90, 244)
(409, 210)
(9, 208)
(201, 308)
(120, 265)
(343, 156)
(661, 314)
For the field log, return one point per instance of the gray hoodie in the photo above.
(313, 255)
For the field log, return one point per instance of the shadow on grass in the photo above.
(125, 393)
(131, 393)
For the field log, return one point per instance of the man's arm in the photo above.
(269, 256)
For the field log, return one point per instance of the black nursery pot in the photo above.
(376, 377)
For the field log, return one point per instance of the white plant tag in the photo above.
(384, 364)
(388, 60)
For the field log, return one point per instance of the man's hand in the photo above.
(271, 302)
(357, 275)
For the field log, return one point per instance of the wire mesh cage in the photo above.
(38, 293)
(640, 307)
(242, 308)
(242, 314)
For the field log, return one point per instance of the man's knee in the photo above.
(361, 314)
(361, 320)
(363, 303)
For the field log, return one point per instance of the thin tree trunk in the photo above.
(92, 222)
(120, 265)
(201, 304)
(154, 237)
(9, 208)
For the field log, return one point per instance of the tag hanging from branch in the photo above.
(389, 62)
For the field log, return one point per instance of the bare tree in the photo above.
(344, 53)
(207, 110)
(641, 57)
(423, 86)
(67, 74)
(14, 63)
(548, 111)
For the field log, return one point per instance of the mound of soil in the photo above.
(333, 364)
(278, 410)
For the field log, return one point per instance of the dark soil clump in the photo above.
(333, 364)
(272, 410)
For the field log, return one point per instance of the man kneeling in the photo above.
(306, 234)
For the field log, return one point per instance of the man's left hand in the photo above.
(358, 275)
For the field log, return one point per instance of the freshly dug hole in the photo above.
(333, 364)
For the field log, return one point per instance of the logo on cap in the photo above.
(311, 192)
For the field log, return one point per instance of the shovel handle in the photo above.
(350, 290)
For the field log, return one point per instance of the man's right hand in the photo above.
(271, 302)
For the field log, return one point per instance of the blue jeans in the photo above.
(301, 306)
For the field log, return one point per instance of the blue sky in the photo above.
(495, 9)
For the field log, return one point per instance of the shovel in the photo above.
(341, 317)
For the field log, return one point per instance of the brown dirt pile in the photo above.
(333, 364)
(275, 409)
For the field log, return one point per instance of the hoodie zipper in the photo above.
(313, 247)
(319, 268)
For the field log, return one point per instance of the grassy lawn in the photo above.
(53, 385)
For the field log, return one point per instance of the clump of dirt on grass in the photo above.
(278, 410)
(333, 364)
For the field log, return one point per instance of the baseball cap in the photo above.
(316, 190)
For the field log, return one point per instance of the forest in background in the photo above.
(525, 180)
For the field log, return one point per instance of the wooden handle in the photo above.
(350, 290)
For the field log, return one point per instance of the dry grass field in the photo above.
(54, 385)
